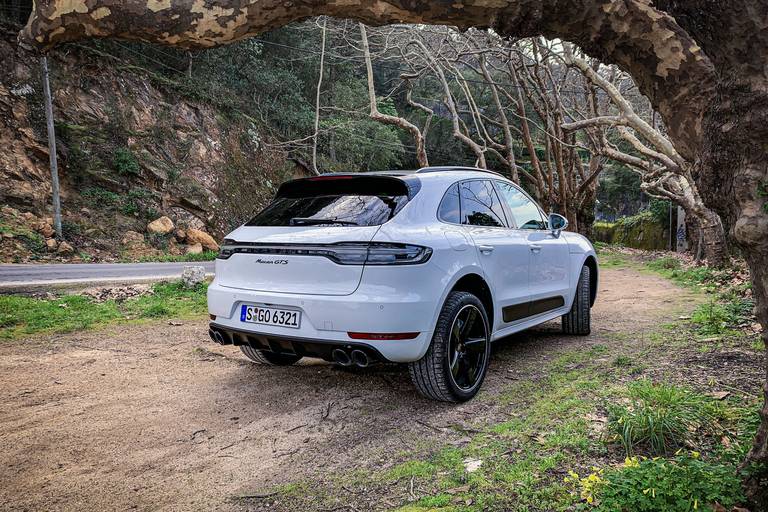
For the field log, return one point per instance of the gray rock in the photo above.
(192, 276)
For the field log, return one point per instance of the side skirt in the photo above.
(536, 307)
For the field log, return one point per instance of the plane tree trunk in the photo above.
(735, 181)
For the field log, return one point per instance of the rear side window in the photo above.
(335, 201)
(450, 210)
(479, 204)
(524, 211)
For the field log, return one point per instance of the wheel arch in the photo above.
(476, 285)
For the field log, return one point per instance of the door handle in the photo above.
(485, 249)
(535, 248)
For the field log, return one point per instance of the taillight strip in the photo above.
(343, 253)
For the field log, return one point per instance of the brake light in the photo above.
(345, 253)
(382, 336)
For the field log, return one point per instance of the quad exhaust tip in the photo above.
(355, 357)
(217, 337)
(360, 358)
(341, 357)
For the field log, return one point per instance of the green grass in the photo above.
(691, 277)
(176, 258)
(523, 457)
(24, 316)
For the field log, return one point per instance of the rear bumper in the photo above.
(326, 320)
(303, 347)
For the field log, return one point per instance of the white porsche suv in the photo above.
(425, 267)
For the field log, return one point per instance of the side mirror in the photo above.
(557, 223)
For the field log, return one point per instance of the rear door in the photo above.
(503, 252)
(550, 255)
(312, 238)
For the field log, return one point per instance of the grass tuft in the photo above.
(659, 417)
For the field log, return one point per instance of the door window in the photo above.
(480, 205)
(525, 212)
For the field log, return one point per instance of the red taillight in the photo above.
(382, 335)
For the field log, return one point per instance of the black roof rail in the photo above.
(425, 170)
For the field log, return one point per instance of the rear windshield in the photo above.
(335, 201)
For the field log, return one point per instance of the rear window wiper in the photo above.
(308, 221)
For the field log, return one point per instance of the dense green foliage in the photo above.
(619, 192)
(681, 484)
(272, 80)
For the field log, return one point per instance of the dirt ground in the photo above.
(156, 417)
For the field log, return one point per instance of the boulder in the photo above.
(52, 245)
(45, 229)
(192, 276)
(132, 238)
(65, 248)
(161, 226)
(196, 236)
(180, 235)
(135, 246)
(194, 249)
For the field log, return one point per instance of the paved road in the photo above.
(19, 276)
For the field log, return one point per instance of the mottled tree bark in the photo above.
(702, 63)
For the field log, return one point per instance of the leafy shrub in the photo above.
(98, 197)
(681, 484)
(70, 229)
(137, 202)
(125, 162)
(158, 240)
(32, 241)
(659, 416)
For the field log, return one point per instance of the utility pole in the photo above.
(52, 148)
(317, 99)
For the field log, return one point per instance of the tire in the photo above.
(578, 319)
(432, 374)
(268, 358)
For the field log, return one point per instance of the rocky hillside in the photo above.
(132, 148)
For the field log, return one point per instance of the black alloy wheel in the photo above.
(467, 353)
(455, 364)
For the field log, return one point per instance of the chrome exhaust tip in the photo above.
(341, 357)
(217, 337)
(360, 358)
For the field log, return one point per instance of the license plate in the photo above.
(270, 316)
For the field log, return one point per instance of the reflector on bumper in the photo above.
(380, 336)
